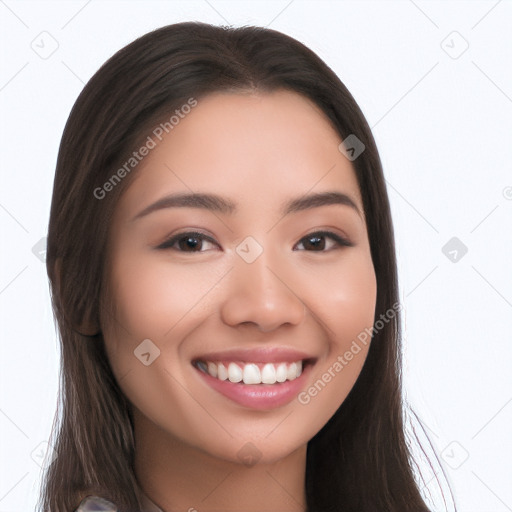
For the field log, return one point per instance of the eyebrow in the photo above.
(225, 206)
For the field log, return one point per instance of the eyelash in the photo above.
(340, 241)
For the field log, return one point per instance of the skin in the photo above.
(258, 150)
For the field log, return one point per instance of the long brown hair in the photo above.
(359, 461)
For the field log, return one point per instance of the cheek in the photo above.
(346, 307)
(152, 296)
(161, 302)
(344, 296)
(154, 300)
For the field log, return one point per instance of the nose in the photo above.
(260, 293)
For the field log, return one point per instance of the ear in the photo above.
(87, 326)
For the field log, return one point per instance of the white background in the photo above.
(442, 119)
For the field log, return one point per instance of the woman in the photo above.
(223, 273)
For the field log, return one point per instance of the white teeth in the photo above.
(292, 372)
(281, 372)
(222, 373)
(212, 369)
(250, 373)
(234, 372)
(268, 374)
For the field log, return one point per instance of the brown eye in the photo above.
(187, 242)
(316, 241)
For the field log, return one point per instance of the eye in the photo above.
(187, 242)
(316, 241)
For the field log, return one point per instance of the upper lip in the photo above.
(257, 355)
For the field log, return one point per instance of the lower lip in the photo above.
(258, 396)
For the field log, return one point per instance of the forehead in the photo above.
(253, 148)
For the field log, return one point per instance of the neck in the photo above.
(178, 476)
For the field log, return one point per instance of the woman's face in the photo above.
(271, 278)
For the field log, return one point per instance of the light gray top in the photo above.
(98, 504)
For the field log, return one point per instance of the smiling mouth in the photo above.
(253, 373)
